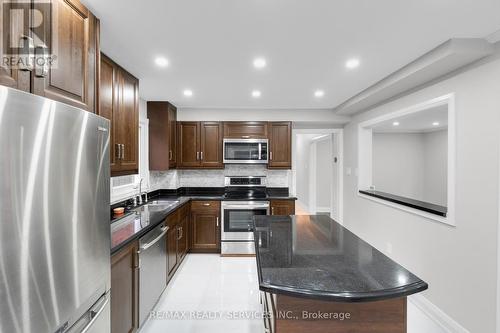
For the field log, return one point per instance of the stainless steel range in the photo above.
(244, 198)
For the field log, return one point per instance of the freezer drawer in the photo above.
(96, 319)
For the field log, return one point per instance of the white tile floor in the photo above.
(208, 284)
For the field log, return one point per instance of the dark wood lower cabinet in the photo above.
(172, 249)
(282, 207)
(205, 226)
(125, 290)
(177, 239)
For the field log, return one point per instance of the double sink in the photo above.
(157, 205)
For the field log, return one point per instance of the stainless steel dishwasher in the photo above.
(152, 269)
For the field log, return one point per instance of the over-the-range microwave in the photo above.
(246, 151)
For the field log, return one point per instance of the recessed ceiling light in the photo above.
(352, 63)
(435, 123)
(188, 93)
(396, 123)
(259, 63)
(319, 93)
(161, 61)
(256, 93)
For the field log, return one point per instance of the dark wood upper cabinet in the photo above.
(72, 37)
(108, 95)
(11, 76)
(188, 152)
(124, 290)
(280, 145)
(205, 227)
(119, 102)
(70, 33)
(282, 207)
(172, 130)
(245, 130)
(199, 145)
(211, 145)
(162, 135)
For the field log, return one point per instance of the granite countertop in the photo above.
(315, 257)
(139, 221)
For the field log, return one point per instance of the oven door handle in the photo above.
(245, 207)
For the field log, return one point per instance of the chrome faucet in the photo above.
(140, 193)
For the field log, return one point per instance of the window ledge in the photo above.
(422, 208)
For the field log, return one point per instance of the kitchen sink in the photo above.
(157, 205)
(162, 203)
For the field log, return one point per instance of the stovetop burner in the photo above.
(245, 187)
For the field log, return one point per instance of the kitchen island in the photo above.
(317, 276)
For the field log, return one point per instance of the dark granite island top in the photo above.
(315, 257)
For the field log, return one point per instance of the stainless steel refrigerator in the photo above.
(54, 217)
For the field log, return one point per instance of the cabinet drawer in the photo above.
(205, 205)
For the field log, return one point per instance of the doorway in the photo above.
(316, 169)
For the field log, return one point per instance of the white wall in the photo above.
(398, 167)
(435, 167)
(412, 165)
(324, 174)
(459, 263)
(303, 157)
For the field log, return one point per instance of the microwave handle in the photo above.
(260, 151)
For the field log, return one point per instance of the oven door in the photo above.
(244, 151)
(237, 219)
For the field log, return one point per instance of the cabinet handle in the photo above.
(271, 155)
(272, 210)
(118, 150)
(170, 155)
(27, 42)
(197, 155)
(123, 151)
(245, 136)
(206, 204)
(41, 70)
(217, 221)
(179, 233)
(201, 154)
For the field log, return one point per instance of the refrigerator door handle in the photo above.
(95, 313)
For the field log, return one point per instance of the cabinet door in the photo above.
(211, 145)
(172, 250)
(280, 143)
(159, 136)
(245, 130)
(126, 122)
(72, 37)
(124, 290)
(183, 233)
(282, 207)
(188, 145)
(172, 129)
(15, 15)
(108, 102)
(205, 231)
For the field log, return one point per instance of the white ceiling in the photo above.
(419, 122)
(211, 44)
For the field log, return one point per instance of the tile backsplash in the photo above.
(215, 178)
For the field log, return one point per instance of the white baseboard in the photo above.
(436, 314)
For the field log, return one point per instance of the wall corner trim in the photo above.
(436, 314)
